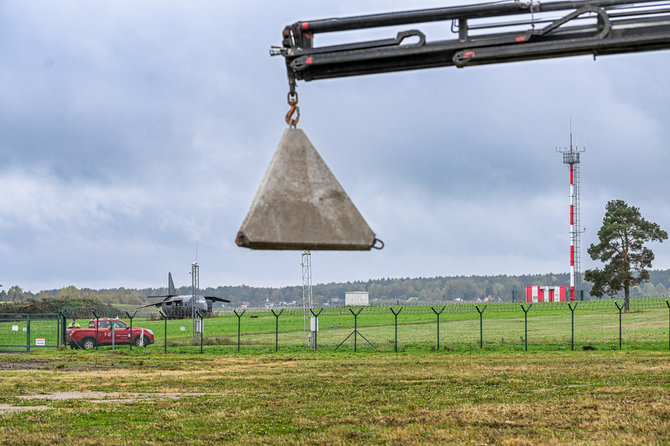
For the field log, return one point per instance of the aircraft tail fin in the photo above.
(172, 291)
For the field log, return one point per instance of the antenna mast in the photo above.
(571, 158)
(195, 284)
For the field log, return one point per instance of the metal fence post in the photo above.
(239, 323)
(572, 312)
(201, 316)
(355, 333)
(395, 315)
(165, 332)
(28, 333)
(316, 316)
(355, 326)
(619, 308)
(63, 330)
(525, 325)
(131, 329)
(512, 296)
(97, 335)
(277, 327)
(130, 336)
(437, 313)
(668, 304)
(481, 325)
(57, 331)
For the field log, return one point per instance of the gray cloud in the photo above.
(129, 132)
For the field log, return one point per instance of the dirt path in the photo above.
(96, 397)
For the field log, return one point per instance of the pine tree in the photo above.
(622, 237)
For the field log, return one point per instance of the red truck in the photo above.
(108, 329)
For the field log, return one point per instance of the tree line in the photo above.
(382, 291)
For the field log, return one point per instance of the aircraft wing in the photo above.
(169, 301)
(217, 299)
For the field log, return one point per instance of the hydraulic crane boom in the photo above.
(301, 205)
(483, 34)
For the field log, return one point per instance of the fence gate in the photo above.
(20, 332)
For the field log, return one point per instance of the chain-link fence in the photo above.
(595, 324)
(21, 332)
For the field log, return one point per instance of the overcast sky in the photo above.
(132, 130)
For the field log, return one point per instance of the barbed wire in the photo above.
(122, 311)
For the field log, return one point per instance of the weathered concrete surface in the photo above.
(301, 205)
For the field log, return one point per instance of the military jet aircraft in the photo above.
(178, 306)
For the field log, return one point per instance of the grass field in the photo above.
(514, 398)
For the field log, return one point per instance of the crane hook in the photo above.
(295, 110)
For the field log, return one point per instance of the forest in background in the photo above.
(382, 291)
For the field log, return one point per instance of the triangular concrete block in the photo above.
(301, 205)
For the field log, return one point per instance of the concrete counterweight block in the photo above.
(300, 205)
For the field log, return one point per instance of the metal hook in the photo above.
(293, 102)
(377, 245)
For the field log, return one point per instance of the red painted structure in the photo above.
(545, 294)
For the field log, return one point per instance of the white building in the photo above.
(356, 298)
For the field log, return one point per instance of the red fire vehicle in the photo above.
(109, 331)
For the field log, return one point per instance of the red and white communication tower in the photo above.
(571, 157)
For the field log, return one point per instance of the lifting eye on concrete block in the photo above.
(300, 205)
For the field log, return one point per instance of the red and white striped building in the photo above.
(545, 294)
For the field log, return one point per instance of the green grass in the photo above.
(459, 395)
(549, 327)
(598, 328)
(582, 397)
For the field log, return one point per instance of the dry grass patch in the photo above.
(516, 399)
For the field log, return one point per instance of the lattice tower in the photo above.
(195, 284)
(571, 157)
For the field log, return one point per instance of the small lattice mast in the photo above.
(571, 157)
(307, 303)
(195, 284)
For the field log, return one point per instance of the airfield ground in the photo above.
(118, 397)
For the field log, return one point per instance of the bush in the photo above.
(47, 305)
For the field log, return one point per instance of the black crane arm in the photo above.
(483, 34)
